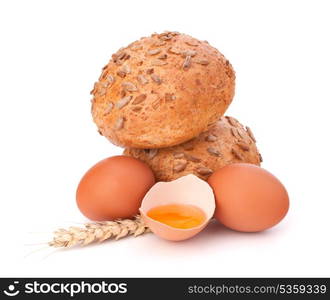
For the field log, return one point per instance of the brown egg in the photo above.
(248, 198)
(114, 188)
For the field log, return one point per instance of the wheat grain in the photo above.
(98, 232)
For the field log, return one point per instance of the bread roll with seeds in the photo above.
(224, 143)
(161, 91)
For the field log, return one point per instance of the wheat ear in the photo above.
(98, 232)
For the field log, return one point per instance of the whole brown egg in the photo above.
(114, 188)
(248, 198)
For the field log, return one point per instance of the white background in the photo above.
(51, 52)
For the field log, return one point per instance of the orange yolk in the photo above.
(178, 215)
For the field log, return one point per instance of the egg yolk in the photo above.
(178, 215)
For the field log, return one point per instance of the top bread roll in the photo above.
(161, 91)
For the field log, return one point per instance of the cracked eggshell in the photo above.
(187, 190)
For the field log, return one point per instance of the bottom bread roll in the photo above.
(224, 143)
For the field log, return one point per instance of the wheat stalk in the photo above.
(98, 232)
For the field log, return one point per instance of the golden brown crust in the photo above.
(161, 91)
(225, 142)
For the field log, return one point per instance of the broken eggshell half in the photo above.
(186, 190)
